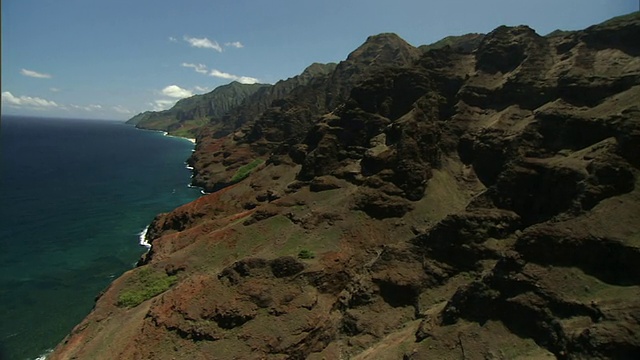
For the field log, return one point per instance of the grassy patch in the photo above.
(143, 285)
(185, 133)
(245, 170)
(189, 128)
(316, 242)
(306, 254)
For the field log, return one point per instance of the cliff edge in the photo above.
(474, 201)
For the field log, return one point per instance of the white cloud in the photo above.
(222, 75)
(162, 104)
(202, 69)
(240, 79)
(27, 101)
(36, 103)
(172, 39)
(235, 44)
(203, 43)
(176, 91)
(34, 74)
(53, 89)
(172, 91)
(88, 108)
(247, 80)
(201, 89)
(121, 109)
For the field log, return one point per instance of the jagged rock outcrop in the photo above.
(477, 201)
(241, 118)
(261, 130)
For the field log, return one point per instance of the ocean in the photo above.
(74, 197)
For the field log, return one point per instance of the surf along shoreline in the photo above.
(142, 235)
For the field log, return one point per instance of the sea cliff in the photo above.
(474, 199)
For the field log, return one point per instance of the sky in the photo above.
(112, 59)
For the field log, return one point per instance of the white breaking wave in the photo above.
(44, 355)
(143, 238)
(191, 140)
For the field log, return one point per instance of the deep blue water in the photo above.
(74, 195)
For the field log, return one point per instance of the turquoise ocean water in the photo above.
(74, 196)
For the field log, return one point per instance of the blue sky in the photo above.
(113, 59)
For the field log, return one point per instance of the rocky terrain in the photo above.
(478, 199)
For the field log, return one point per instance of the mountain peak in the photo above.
(484, 175)
(384, 49)
(384, 37)
(318, 69)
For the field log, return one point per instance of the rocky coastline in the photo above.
(479, 199)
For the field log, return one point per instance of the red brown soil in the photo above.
(468, 205)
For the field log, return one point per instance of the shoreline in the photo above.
(133, 228)
(192, 140)
(142, 238)
(142, 235)
(165, 133)
(44, 355)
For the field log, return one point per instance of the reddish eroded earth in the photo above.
(478, 201)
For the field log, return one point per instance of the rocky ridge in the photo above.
(188, 115)
(475, 202)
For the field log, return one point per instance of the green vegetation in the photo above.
(190, 114)
(143, 285)
(245, 170)
(621, 20)
(306, 254)
(188, 128)
(466, 42)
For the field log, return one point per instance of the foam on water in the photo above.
(191, 140)
(44, 355)
(143, 238)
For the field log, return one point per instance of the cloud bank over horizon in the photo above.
(26, 101)
(38, 104)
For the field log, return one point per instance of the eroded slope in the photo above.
(460, 204)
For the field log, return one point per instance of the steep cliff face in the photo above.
(258, 131)
(465, 202)
(188, 115)
(263, 100)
